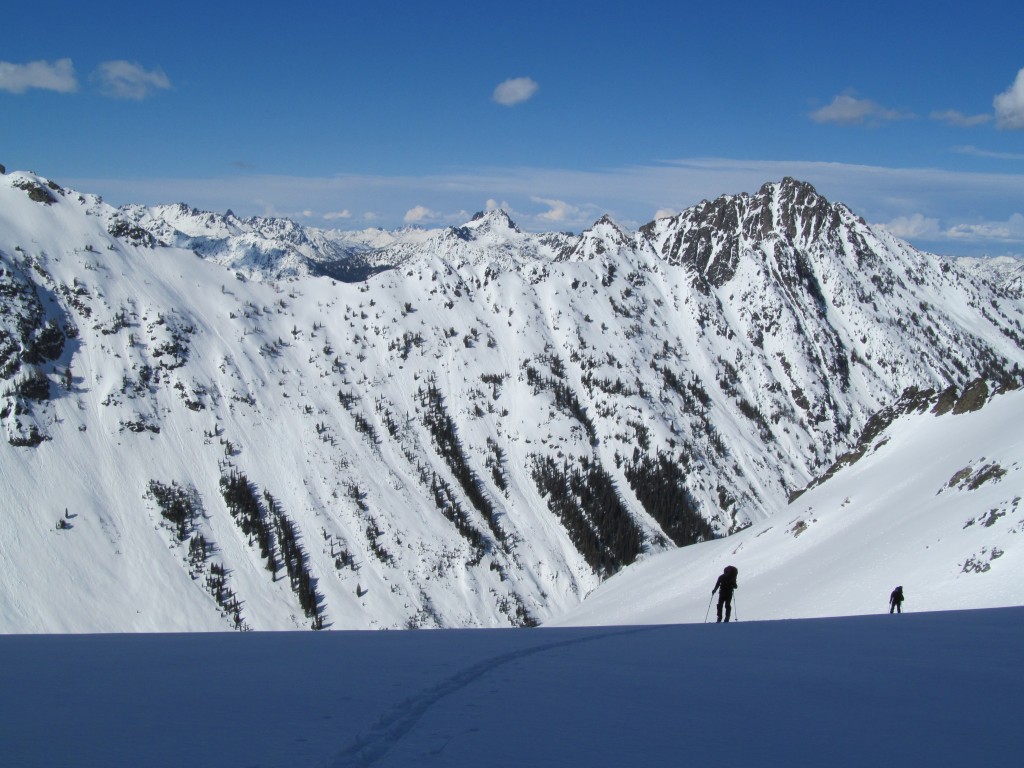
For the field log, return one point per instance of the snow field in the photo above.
(917, 689)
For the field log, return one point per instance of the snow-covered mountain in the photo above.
(213, 421)
(1004, 273)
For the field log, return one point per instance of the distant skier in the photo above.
(725, 586)
(896, 601)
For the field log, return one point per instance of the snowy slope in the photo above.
(933, 505)
(1004, 273)
(920, 689)
(205, 429)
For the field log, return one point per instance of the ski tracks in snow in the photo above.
(369, 747)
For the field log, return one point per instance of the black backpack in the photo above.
(730, 573)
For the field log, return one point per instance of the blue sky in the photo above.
(353, 115)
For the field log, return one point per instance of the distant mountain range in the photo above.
(213, 421)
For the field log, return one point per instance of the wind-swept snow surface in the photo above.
(913, 690)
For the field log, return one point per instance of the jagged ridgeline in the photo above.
(263, 425)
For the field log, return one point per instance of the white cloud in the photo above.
(559, 211)
(1009, 105)
(1011, 230)
(515, 91)
(957, 118)
(915, 226)
(128, 80)
(418, 213)
(977, 152)
(336, 215)
(848, 110)
(58, 76)
(665, 213)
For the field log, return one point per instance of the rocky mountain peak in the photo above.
(789, 187)
(794, 209)
(494, 220)
(712, 237)
(607, 229)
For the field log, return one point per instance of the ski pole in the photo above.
(735, 608)
(708, 611)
